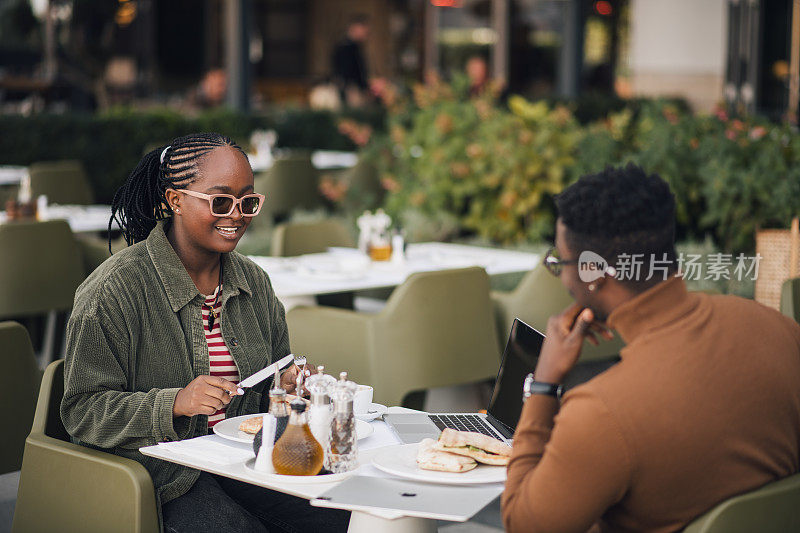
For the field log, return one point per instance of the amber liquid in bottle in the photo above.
(380, 252)
(297, 452)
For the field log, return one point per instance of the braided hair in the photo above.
(141, 202)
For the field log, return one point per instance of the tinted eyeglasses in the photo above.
(223, 205)
(553, 262)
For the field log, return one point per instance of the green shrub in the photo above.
(110, 144)
(494, 170)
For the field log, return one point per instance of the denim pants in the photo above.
(216, 503)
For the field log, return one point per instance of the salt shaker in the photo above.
(344, 441)
(320, 412)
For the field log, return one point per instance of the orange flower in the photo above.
(474, 150)
(390, 184)
(758, 132)
(459, 169)
(694, 143)
(561, 115)
(508, 199)
(332, 190)
(444, 123)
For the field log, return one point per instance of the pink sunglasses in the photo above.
(223, 205)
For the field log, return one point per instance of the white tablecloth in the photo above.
(12, 175)
(343, 269)
(81, 218)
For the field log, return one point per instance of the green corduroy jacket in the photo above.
(135, 338)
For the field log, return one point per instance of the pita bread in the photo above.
(252, 425)
(430, 459)
(478, 446)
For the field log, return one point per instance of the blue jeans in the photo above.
(216, 503)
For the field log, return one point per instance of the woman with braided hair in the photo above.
(162, 331)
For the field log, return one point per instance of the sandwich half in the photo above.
(478, 446)
(429, 458)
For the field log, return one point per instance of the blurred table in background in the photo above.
(81, 218)
(321, 159)
(11, 174)
(296, 280)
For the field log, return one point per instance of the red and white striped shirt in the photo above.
(219, 358)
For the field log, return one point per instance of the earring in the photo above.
(592, 287)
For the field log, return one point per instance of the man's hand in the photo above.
(205, 395)
(564, 340)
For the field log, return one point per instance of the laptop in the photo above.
(519, 359)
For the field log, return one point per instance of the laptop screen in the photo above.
(519, 359)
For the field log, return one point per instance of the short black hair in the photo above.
(622, 210)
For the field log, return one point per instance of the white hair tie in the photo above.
(164, 153)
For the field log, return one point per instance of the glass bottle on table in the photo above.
(297, 452)
(344, 440)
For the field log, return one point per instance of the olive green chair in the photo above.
(67, 487)
(40, 268)
(296, 238)
(537, 297)
(436, 330)
(790, 298)
(773, 508)
(292, 183)
(64, 182)
(94, 251)
(19, 385)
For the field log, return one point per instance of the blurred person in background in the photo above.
(211, 91)
(348, 64)
(704, 404)
(477, 71)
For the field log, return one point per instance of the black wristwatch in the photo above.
(539, 387)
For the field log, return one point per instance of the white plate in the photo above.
(401, 460)
(250, 464)
(229, 429)
(376, 410)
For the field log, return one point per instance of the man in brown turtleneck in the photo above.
(704, 404)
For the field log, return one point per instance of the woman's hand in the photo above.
(205, 395)
(289, 377)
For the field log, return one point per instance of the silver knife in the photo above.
(266, 372)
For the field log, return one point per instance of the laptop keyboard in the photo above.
(465, 422)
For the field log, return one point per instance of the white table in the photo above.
(297, 279)
(321, 159)
(361, 521)
(81, 218)
(12, 174)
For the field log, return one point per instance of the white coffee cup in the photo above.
(362, 400)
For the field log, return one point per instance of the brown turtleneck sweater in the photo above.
(704, 405)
